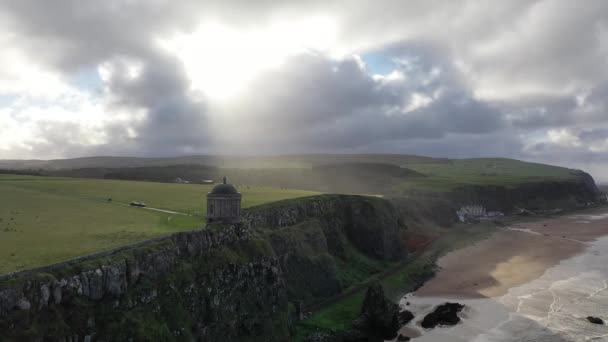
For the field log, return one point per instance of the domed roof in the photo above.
(224, 189)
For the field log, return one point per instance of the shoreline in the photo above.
(514, 255)
(546, 275)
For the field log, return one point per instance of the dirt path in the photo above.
(154, 209)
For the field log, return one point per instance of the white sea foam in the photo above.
(583, 217)
(553, 307)
(523, 230)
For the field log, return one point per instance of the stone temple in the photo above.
(224, 204)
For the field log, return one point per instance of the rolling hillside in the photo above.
(395, 175)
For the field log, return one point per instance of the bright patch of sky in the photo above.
(6, 100)
(87, 79)
(230, 58)
(378, 63)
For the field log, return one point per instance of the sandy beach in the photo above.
(543, 277)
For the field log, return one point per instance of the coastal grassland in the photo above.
(397, 279)
(482, 171)
(184, 198)
(45, 220)
(416, 176)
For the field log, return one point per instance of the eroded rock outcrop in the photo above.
(595, 320)
(379, 316)
(401, 338)
(444, 314)
(405, 317)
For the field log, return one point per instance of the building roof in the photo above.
(224, 189)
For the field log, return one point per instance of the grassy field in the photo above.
(46, 220)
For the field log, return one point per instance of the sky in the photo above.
(517, 79)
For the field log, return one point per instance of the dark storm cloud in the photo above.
(315, 103)
(311, 88)
(565, 154)
(72, 33)
(541, 112)
(594, 135)
(504, 144)
(174, 121)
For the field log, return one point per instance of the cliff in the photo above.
(216, 284)
(326, 243)
(535, 195)
(440, 209)
(371, 224)
(220, 283)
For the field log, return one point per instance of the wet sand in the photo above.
(514, 255)
(533, 281)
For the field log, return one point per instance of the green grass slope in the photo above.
(483, 171)
(45, 220)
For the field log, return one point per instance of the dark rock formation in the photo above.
(444, 314)
(595, 320)
(380, 317)
(405, 317)
(402, 338)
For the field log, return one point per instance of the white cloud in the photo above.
(22, 75)
(563, 137)
(418, 101)
(56, 126)
(221, 60)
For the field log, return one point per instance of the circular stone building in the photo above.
(224, 204)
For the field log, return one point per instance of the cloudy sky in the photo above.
(520, 79)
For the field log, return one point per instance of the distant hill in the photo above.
(385, 174)
(280, 161)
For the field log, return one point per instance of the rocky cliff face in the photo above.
(213, 285)
(324, 243)
(565, 194)
(371, 224)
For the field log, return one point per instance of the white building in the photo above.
(471, 212)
